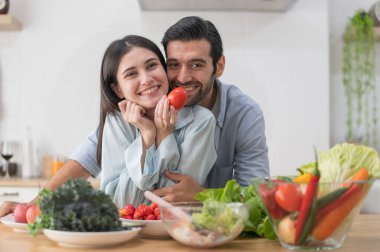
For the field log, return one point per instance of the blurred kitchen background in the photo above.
(289, 61)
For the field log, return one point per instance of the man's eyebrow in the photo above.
(192, 60)
(198, 60)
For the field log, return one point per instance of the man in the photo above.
(195, 61)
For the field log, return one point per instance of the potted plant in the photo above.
(359, 79)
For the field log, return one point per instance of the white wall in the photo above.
(340, 12)
(49, 70)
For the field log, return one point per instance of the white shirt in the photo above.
(188, 150)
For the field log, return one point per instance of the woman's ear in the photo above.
(220, 66)
(117, 91)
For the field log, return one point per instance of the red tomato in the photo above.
(129, 211)
(32, 213)
(177, 98)
(288, 197)
(267, 196)
(157, 212)
(130, 206)
(122, 212)
(138, 215)
(154, 205)
(151, 217)
(147, 210)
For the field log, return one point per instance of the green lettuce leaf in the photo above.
(306, 168)
(343, 160)
(257, 220)
(231, 193)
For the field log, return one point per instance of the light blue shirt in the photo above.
(239, 139)
(188, 150)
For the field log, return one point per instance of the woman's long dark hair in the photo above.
(108, 77)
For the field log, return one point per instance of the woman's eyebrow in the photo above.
(150, 60)
(133, 67)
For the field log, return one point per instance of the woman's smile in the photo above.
(150, 91)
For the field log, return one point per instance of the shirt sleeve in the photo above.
(251, 156)
(122, 150)
(85, 154)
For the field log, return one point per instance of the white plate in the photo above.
(153, 228)
(90, 239)
(9, 221)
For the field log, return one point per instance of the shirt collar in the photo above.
(219, 109)
(184, 117)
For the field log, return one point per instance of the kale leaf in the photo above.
(76, 206)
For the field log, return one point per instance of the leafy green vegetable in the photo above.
(307, 168)
(76, 206)
(343, 160)
(265, 227)
(217, 217)
(232, 193)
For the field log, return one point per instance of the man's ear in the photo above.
(116, 89)
(220, 66)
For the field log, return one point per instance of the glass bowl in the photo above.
(307, 218)
(205, 225)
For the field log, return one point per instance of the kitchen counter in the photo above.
(37, 182)
(364, 236)
(23, 182)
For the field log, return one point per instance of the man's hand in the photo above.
(184, 190)
(7, 207)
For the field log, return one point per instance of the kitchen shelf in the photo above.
(215, 5)
(9, 23)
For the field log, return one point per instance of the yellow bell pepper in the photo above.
(304, 178)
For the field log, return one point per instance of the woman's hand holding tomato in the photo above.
(165, 118)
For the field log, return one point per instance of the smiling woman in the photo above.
(147, 135)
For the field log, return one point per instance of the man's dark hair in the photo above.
(195, 28)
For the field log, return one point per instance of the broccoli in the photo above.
(77, 207)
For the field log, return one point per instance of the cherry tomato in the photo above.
(157, 212)
(177, 98)
(151, 217)
(154, 205)
(288, 197)
(267, 195)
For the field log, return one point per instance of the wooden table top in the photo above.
(364, 236)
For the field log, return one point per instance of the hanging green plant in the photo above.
(359, 79)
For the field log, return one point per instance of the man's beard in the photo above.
(198, 97)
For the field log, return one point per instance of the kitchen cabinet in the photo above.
(9, 23)
(18, 194)
(20, 190)
(24, 190)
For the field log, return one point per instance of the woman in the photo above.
(140, 135)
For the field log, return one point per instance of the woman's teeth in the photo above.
(150, 90)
